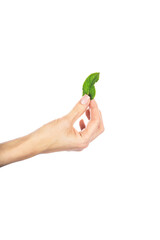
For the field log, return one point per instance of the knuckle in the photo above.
(81, 149)
(84, 143)
(102, 130)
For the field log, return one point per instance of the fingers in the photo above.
(88, 114)
(82, 124)
(100, 128)
(79, 108)
(95, 125)
(101, 123)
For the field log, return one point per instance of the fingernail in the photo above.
(84, 99)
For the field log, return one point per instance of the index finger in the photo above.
(94, 120)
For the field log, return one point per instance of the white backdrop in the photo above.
(110, 190)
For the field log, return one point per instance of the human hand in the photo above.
(60, 135)
(57, 135)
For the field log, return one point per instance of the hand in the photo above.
(60, 135)
(57, 135)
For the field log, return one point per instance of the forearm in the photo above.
(57, 135)
(19, 149)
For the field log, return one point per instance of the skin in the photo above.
(57, 135)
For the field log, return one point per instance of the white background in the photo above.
(111, 190)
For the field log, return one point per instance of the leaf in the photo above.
(88, 85)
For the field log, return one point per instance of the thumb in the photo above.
(79, 108)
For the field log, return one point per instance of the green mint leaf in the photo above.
(88, 85)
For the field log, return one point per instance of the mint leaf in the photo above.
(88, 85)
